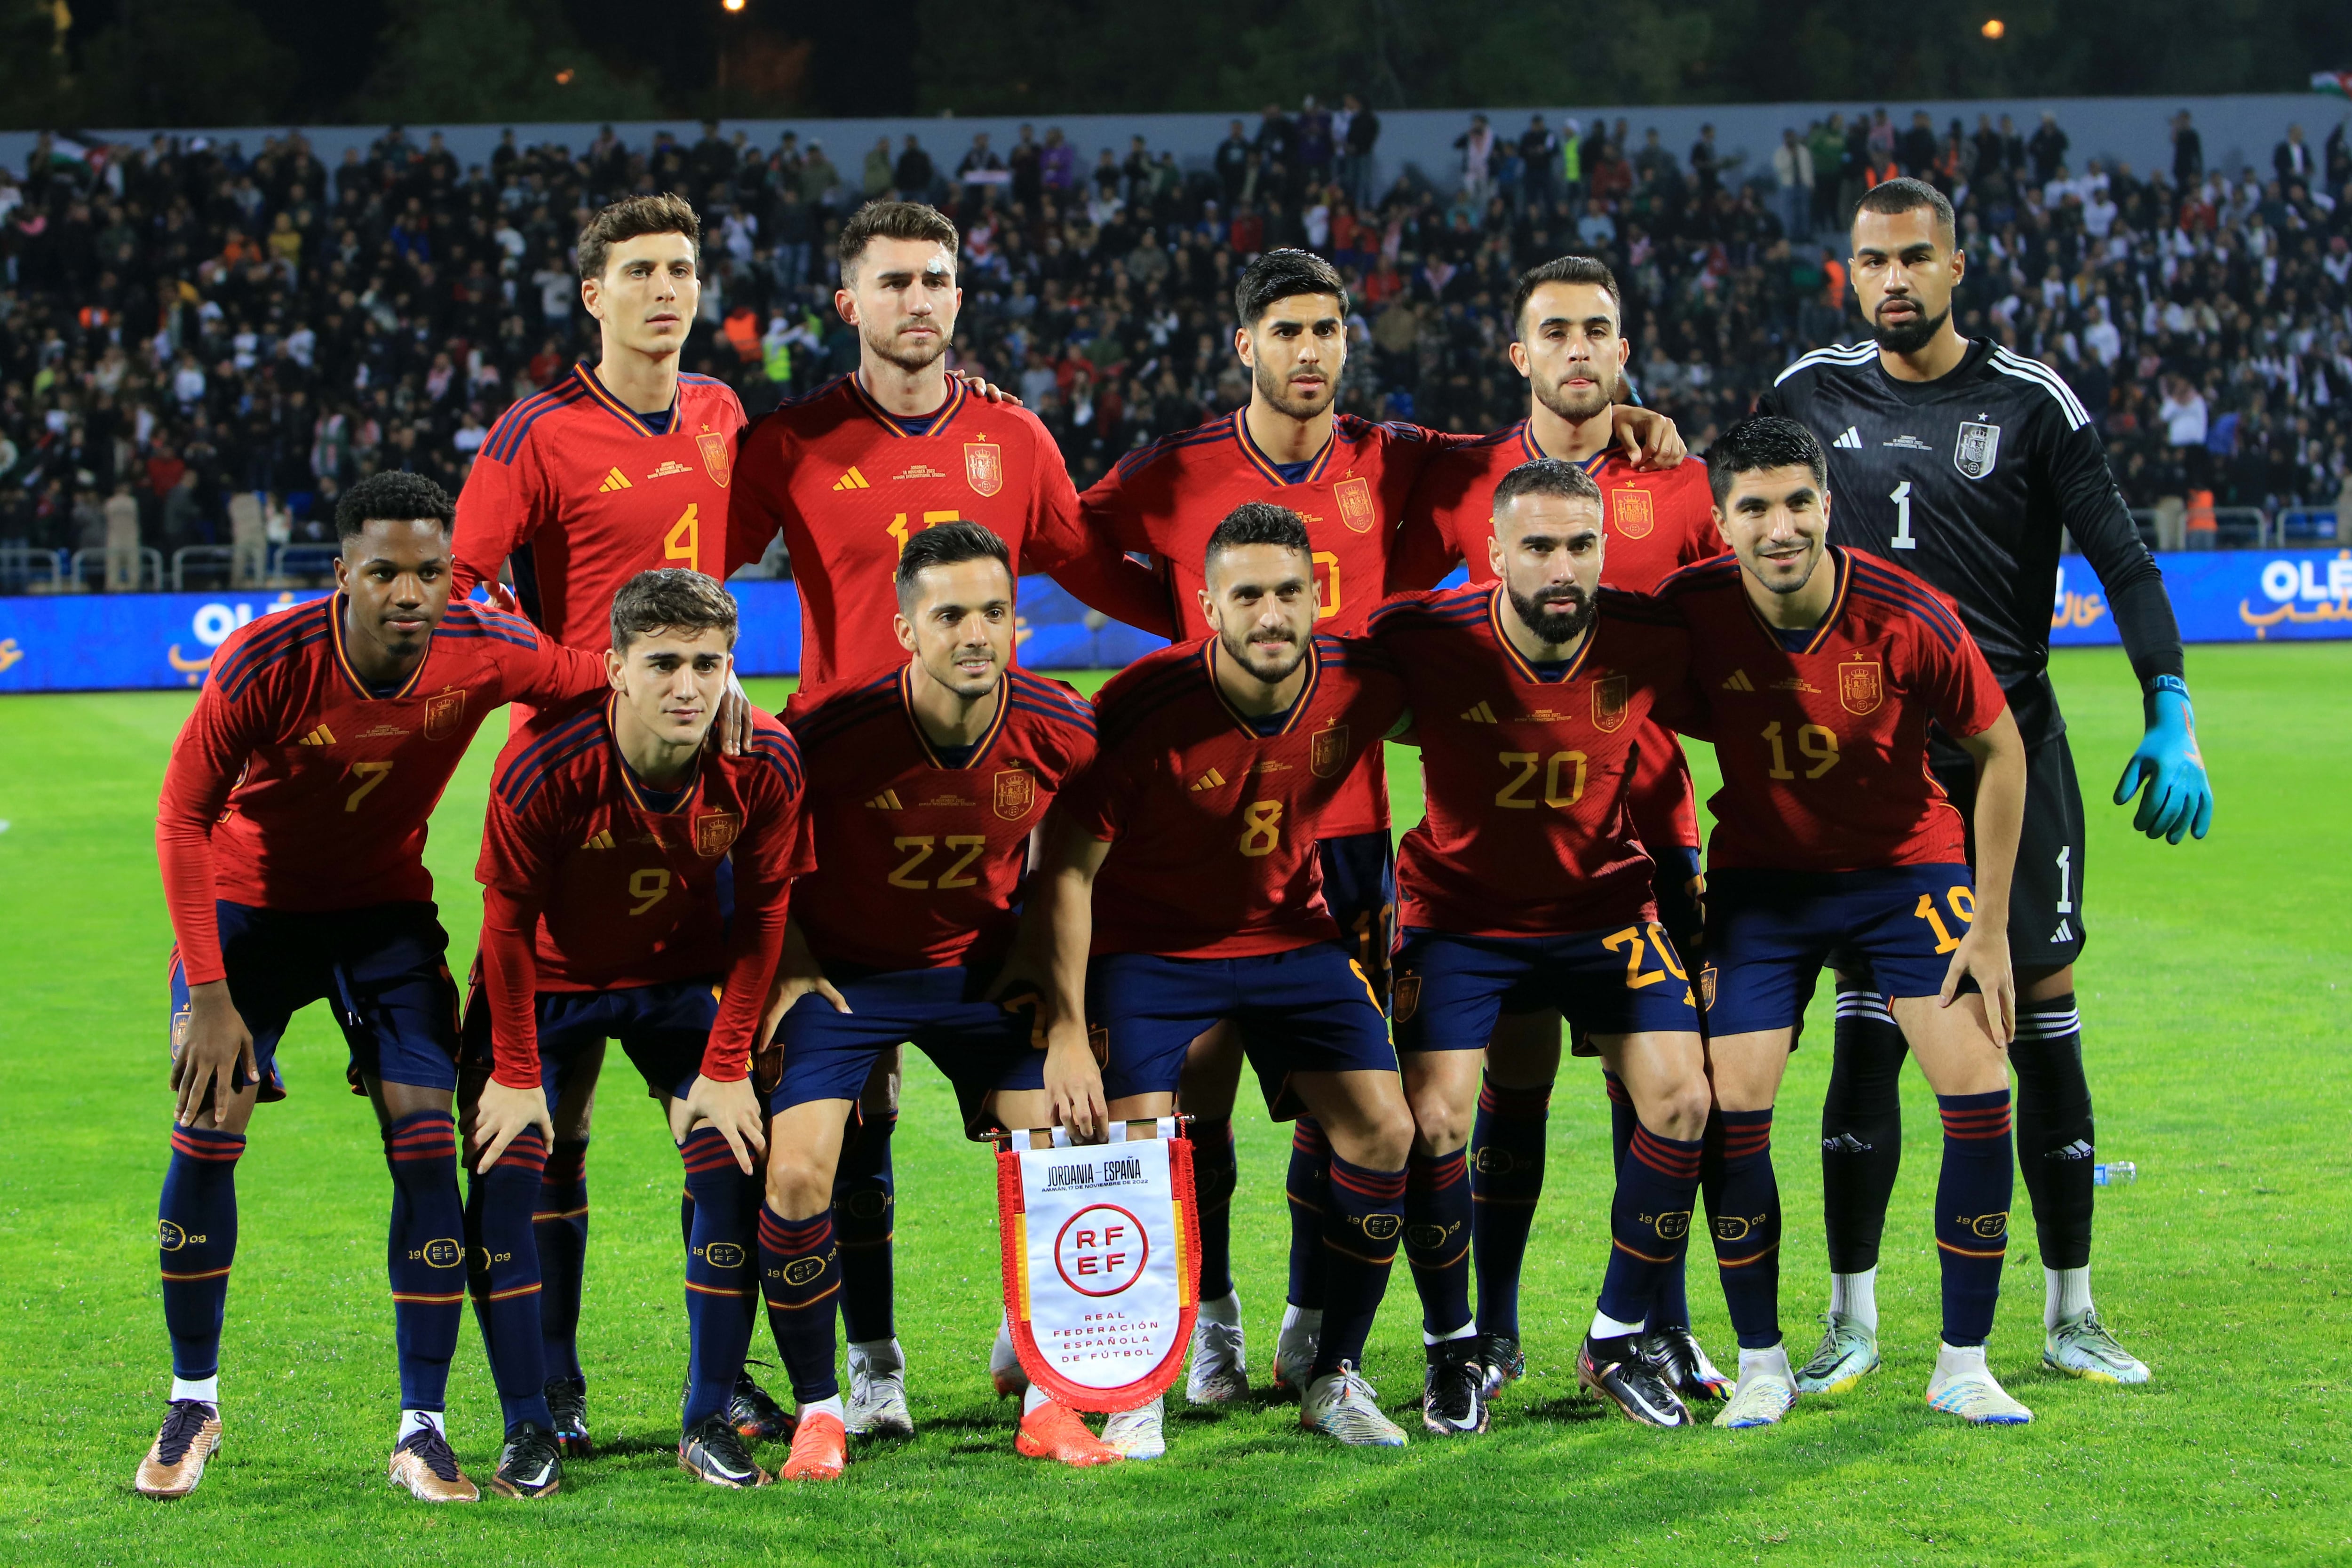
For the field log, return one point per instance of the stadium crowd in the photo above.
(199, 344)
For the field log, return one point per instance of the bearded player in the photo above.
(1349, 480)
(1568, 343)
(291, 838)
(1525, 891)
(1970, 465)
(926, 783)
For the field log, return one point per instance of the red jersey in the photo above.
(1823, 746)
(294, 787)
(582, 494)
(925, 854)
(849, 484)
(1528, 773)
(594, 882)
(1213, 824)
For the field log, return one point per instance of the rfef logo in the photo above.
(1100, 1250)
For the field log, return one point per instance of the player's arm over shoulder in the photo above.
(531, 667)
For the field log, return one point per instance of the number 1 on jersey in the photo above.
(1901, 497)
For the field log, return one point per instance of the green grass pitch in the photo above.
(2218, 1010)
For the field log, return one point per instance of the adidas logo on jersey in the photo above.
(1738, 681)
(2065, 931)
(1483, 713)
(1212, 779)
(886, 801)
(2080, 1149)
(852, 480)
(1851, 441)
(615, 480)
(321, 736)
(600, 839)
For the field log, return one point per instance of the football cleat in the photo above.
(1295, 1350)
(1974, 1395)
(1341, 1405)
(175, 1463)
(1452, 1397)
(877, 1391)
(424, 1464)
(1848, 1353)
(1053, 1431)
(712, 1450)
(567, 1401)
(1220, 1370)
(1621, 1375)
(1139, 1433)
(1683, 1359)
(755, 1417)
(1502, 1361)
(530, 1464)
(820, 1450)
(2082, 1347)
(1004, 1368)
(1761, 1399)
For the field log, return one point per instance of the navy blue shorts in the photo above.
(1450, 989)
(663, 1029)
(1308, 1010)
(982, 1045)
(384, 968)
(1768, 935)
(1360, 884)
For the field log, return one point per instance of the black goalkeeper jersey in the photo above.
(1971, 481)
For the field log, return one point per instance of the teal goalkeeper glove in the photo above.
(2178, 802)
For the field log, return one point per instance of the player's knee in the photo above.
(797, 1188)
(1440, 1125)
(1681, 1112)
(1386, 1134)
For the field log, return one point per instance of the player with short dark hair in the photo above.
(291, 838)
(1526, 890)
(1349, 479)
(1821, 671)
(926, 784)
(613, 837)
(1180, 885)
(1970, 465)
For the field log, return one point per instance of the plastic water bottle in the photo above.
(2114, 1173)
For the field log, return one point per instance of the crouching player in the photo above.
(1525, 891)
(612, 835)
(924, 787)
(1180, 887)
(1821, 670)
(291, 837)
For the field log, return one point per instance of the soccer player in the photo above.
(1821, 671)
(1178, 886)
(1527, 891)
(620, 466)
(850, 474)
(1968, 464)
(292, 839)
(1349, 479)
(926, 784)
(612, 831)
(1570, 343)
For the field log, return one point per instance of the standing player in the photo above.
(1570, 345)
(1348, 479)
(1821, 671)
(618, 468)
(850, 474)
(1179, 886)
(612, 834)
(291, 838)
(1969, 465)
(1525, 891)
(926, 784)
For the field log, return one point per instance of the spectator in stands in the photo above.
(1357, 137)
(1792, 176)
(2048, 149)
(2188, 152)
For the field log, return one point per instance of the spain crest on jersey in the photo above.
(1404, 998)
(1978, 449)
(1860, 687)
(716, 461)
(983, 466)
(1609, 702)
(445, 715)
(1707, 985)
(1327, 754)
(1631, 511)
(1016, 791)
(1356, 509)
(714, 833)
